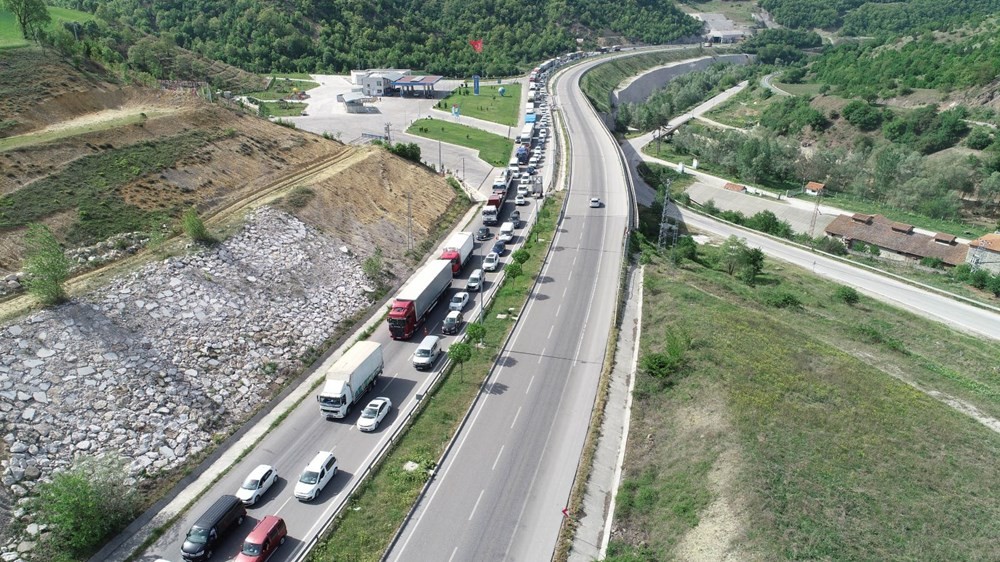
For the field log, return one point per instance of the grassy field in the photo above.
(280, 89)
(283, 109)
(295, 75)
(787, 433)
(10, 35)
(799, 89)
(493, 149)
(90, 186)
(489, 105)
(366, 526)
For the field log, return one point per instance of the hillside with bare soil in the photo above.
(91, 159)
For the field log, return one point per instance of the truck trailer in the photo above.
(458, 250)
(417, 298)
(349, 378)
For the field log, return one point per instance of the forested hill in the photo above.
(428, 35)
(877, 17)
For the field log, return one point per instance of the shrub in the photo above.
(521, 256)
(195, 228)
(936, 263)
(979, 278)
(847, 295)
(668, 364)
(962, 272)
(299, 197)
(830, 246)
(781, 299)
(978, 139)
(86, 504)
(514, 270)
(46, 266)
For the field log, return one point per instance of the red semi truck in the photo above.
(458, 250)
(417, 298)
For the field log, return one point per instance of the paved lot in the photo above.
(327, 115)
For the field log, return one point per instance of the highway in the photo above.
(293, 443)
(500, 492)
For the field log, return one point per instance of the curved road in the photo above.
(499, 494)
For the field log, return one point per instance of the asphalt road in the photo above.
(291, 445)
(949, 311)
(499, 494)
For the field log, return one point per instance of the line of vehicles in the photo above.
(356, 372)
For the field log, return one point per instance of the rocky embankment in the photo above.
(155, 364)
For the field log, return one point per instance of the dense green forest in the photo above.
(428, 35)
(922, 63)
(875, 17)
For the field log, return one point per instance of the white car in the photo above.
(257, 484)
(523, 190)
(595, 202)
(316, 476)
(459, 301)
(374, 413)
(491, 262)
(520, 200)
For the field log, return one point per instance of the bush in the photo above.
(85, 505)
(979, 278)
(936, 263)
(830, 246)
(847, 295)
(668, 364)
(979, 138)
(962, 272)
(862, 115)
(521, 256)
(781, 299)
(195, 228)
(514, 270)
(46, 266)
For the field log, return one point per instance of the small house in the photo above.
(815, 189)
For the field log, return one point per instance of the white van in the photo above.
(513, 163)
(533, 161)
(506, 231)
(316, 476)
(427, 353)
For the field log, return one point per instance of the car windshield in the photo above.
(456, 299)
(197, 535)
(251, 484)
(423, 353)
(251, 549)
(370, 412)
(309, 477)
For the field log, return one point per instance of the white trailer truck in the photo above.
(349, 378)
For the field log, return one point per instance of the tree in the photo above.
(46, 266)
(459, 353)
(514, 270)
(374, 268)
(751, 264)
(732, 253)
(476, 332)
(86, 504)
(31, 16)
(521, 256)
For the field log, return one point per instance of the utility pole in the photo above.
(409, 221)
(463, 168)
(812, 221)
(388, 138)
(440, 160)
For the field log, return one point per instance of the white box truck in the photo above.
(458, 250)
(349, 378)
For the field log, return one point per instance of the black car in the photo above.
(483, 234)
(499, 246)
(515, 217)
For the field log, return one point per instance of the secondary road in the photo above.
(499, 494)
(955, 313)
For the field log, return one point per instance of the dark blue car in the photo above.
(499, 246)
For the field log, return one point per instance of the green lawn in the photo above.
(296, 75)
(282, 88)
(489, 105)
(364, 529)
(824, 454)
(493, 149)
(10, 35)
(283, 109)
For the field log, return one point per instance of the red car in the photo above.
(261, 543)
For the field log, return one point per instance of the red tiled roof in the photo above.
(815, 186)
(987, 241)
(896, 237)
(734, 187)
(944, 238)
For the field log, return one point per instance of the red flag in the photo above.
(477, 45)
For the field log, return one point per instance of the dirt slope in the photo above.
(82, 151)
